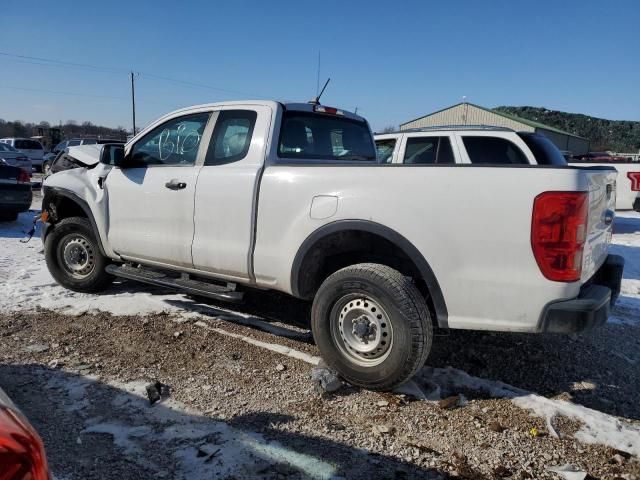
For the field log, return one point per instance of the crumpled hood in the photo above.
(86, 154)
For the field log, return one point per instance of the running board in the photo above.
(182, 283)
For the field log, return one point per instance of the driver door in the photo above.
(151, 195)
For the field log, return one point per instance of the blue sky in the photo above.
(393, 60)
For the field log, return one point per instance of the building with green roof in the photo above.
(469, 114)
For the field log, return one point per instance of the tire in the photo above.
(45, 168)
(73, 256)
(372, 325)
(8, 216)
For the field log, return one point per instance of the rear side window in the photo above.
(231, 136)
(384, 150)
(28, 145)
(493, 151)
(428, 150)
(314, 136)
(89, 142)
(543, 149)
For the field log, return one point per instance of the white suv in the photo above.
(31, 148)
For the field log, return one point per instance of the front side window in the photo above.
(314, 136)
(175, 142)
(231, 136)
(384, 150)
(493, 151)
(428, 150)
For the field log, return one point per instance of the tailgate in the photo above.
(601, 182)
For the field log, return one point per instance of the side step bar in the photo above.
(182, 283)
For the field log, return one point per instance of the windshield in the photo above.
(325, 137)
(543, 149)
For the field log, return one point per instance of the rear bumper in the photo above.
(16, 199)
(592, 306)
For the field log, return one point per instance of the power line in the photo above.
(62, 93)
(199, 85)
(52, 62)
(64, 63)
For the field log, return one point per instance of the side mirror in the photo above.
(113, 154)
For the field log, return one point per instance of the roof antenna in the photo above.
(316, 100)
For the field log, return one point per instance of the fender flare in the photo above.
(50, 192)
(389, 234)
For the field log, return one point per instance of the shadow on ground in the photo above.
(92, 430)
(623, 225)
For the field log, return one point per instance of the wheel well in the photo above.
(347, 247)
(60, 207)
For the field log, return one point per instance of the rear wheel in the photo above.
(73, 256)
(372, 325)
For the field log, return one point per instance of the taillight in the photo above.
(22, 454)
(635, 181)
(558, 234)
(23, 176)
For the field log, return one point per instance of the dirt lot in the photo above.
(241, 404)
(80, 380)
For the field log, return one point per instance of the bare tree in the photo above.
(389, 129)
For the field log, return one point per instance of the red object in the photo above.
(23, 176)
(22, 455)
(330, 110)
(635, 180)
(558, 234)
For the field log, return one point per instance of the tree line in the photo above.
(614, 135)
(69, 129)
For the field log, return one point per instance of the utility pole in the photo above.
(133, 103)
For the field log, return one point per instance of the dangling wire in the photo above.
(32, 230)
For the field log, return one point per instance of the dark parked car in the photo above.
(22, 454)
(15, 192)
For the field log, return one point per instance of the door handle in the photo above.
(175, 185)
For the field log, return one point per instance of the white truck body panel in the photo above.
(625, 197)
(480, 251)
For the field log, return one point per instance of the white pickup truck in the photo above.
(217, 199)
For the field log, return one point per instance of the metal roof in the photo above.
(515, 118)
(438, 128)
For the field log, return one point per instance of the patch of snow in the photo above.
(597, 427)
(274, 347)
(75, 389)
(170, 426)
(626, 242)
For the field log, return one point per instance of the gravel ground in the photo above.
(78, 379)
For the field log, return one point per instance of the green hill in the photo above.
(615, 135)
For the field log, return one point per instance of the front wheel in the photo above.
(372, 325)
(73, 256)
